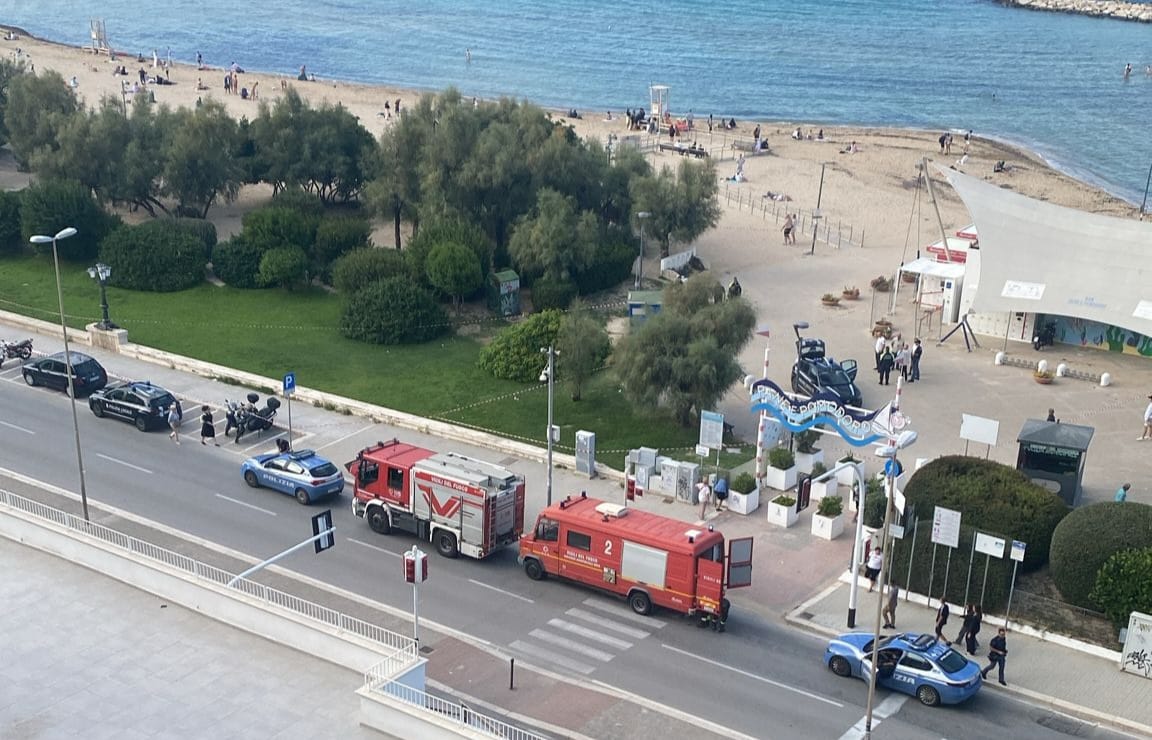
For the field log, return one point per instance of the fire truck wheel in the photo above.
(640, 603)
(534, 569)
(378, 520)
(446, 544)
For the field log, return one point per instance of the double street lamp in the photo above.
(100, 273)
(64, 234)
(549, 375)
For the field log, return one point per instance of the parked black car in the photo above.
(52, 372)
(815, 372)
(139, 402)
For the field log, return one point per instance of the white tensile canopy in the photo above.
(1036, 257)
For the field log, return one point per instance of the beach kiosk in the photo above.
(1053, 454)
(658, 95)
(642, 304)
(504, 293)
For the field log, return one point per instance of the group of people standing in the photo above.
(973, 618)
(904, 359)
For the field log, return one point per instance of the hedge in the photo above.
(1088, 537)
(361, 267)
(1124, 585)
(515, 352)
(49, 206)
(393, 311)
(159, 256)
(612, 264)
(237, 262)
(336, 236)
(203, 230)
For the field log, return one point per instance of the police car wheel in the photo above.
(250, 479)
(840, 666)
(302, 496)
(640, 603)
(534, 569)
(141, 423)
(97, 409)
(928, 696)
(446, 544)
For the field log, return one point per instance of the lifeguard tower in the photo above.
(658, 94)
(98, 36)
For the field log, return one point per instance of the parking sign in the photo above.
(289, 383)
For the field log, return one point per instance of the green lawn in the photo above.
(270, 332)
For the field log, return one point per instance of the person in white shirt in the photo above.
(875, 565)
(880, 343)
(1147, 421)
(704, 495)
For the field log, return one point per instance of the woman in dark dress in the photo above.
(207, 426)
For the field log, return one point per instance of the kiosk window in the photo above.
(580, 541)
(547, 530)
(396, 479)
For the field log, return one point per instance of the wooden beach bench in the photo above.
(698, 152)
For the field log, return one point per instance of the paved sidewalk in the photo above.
(1072, 680)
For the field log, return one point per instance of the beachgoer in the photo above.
(789, 224)
(303, 76)
(1147, 421)
(942, 139)
(740, 165)
(227, 84)
(1127, 70)
(199, 60)
(468, 56)
(254, 84)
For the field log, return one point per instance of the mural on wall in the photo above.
(1101, 336)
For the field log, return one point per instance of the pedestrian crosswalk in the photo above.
(585, 638)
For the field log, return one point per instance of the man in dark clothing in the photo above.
(998, 652)
(974, 629)
(941, 618)
(917, 352)
(966, 625)
(887, 360)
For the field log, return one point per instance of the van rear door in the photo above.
(740, 562)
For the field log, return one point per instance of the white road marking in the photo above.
(345, 437)
(500, 590)
(539, 652)
(245, 503)
(769, 681)
(377, 548)
(891, 705)
(591, 634)
(125, 464)
(576, 647)
(608, 624)
(623, 612)
(17, 427)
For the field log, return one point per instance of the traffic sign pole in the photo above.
(289, 389)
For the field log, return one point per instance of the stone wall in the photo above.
(1099, 8)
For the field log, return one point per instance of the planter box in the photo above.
(827, 527)
(781, 480)
(744, 503)
(781, 516)
(829, 487)
(805, 460)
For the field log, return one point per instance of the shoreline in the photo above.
(1113, 9)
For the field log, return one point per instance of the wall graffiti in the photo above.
(1095, 335)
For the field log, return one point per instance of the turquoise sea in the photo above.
(1050, 82)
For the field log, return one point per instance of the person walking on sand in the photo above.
(887, 360)
(207, 426)
(174, 423)
(789, 224)
(889, 611)
(917, 353)
(942, 618)
(1147, 421)
(1122, 493)
(875, 565)
(997, 654)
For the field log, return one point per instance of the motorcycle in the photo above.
(21, 350)
(248, 417)
(1046, 337)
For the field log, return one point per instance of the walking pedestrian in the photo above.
(941, 618)
(1051, 414)
(1147, 421)
(1122, 493)
(966, 624)
(885, 366)
(789, 224)
(889, 611)
(207, 426)
(174, 423)
(977, 620)
(997, 654)
(703, 495)
(875, 565)
(881, 343)
(720, 492)
(917, 353)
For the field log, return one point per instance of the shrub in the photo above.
(285, 267)
(806, 441)
(1088, 537)
(1124, 585)
(819, 469)
(336, 237)
(454, 270)
(237, 262)
(611, 265)
(457, 232)
(393, 311)
(785, 501)
(275, 226)
(362, 267)
(744, 483)
(158, 256)
(781, 458)
(874, 501)
(515, 352)
(48, 207)
(299, 200)
(203, 230)
(548, 294)
(10, 241)
(830, 506)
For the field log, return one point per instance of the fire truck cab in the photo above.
(649, 559)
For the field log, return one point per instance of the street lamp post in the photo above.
(905, 439)
(549, 375)
(1146, 184)
(854, 587)
(100, 273)
(642, 216)
(816, 214)
(64, 234)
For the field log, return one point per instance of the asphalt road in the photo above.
(761, 678)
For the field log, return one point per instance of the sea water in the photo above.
(1049, 82)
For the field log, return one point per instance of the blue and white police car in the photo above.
(916, 664)
(302, 474)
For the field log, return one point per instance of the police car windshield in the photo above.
(323, 470)
(831, 376)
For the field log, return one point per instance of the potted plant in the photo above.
(830, 300)
(781, 470)
(1043, 377)
(881, 284)
(743, 494)
(823, 484)
(851, 293)
(845, 476)
(807, 454)
(828, 521)
(782, 511)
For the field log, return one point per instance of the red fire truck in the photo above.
(650, 559)
(459, 504)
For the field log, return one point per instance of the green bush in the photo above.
(611, 265)
(337, 236)
(515, 352)
(10, 239)
(819, 469)
(299, 200)
(874, 501)
(274, 226)
(830, 506)
(362, 267)
(548, 295)
(1088, 537)
(203, 230)
(784, 500)
(1124, 585)
(393, 311)
(806, 441)
(48, 207)
(284, 267)
(454, 270)
(992, 498)
(781, 458)
(159, 256)
(439, 232)
(237, 262)
(744, 483)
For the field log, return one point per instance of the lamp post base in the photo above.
(852, 618)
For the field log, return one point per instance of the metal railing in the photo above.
(378, 680)
(399, 648)
(834, 233)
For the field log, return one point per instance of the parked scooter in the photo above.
(248, 417)
(21, 350)
(1046, 337)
